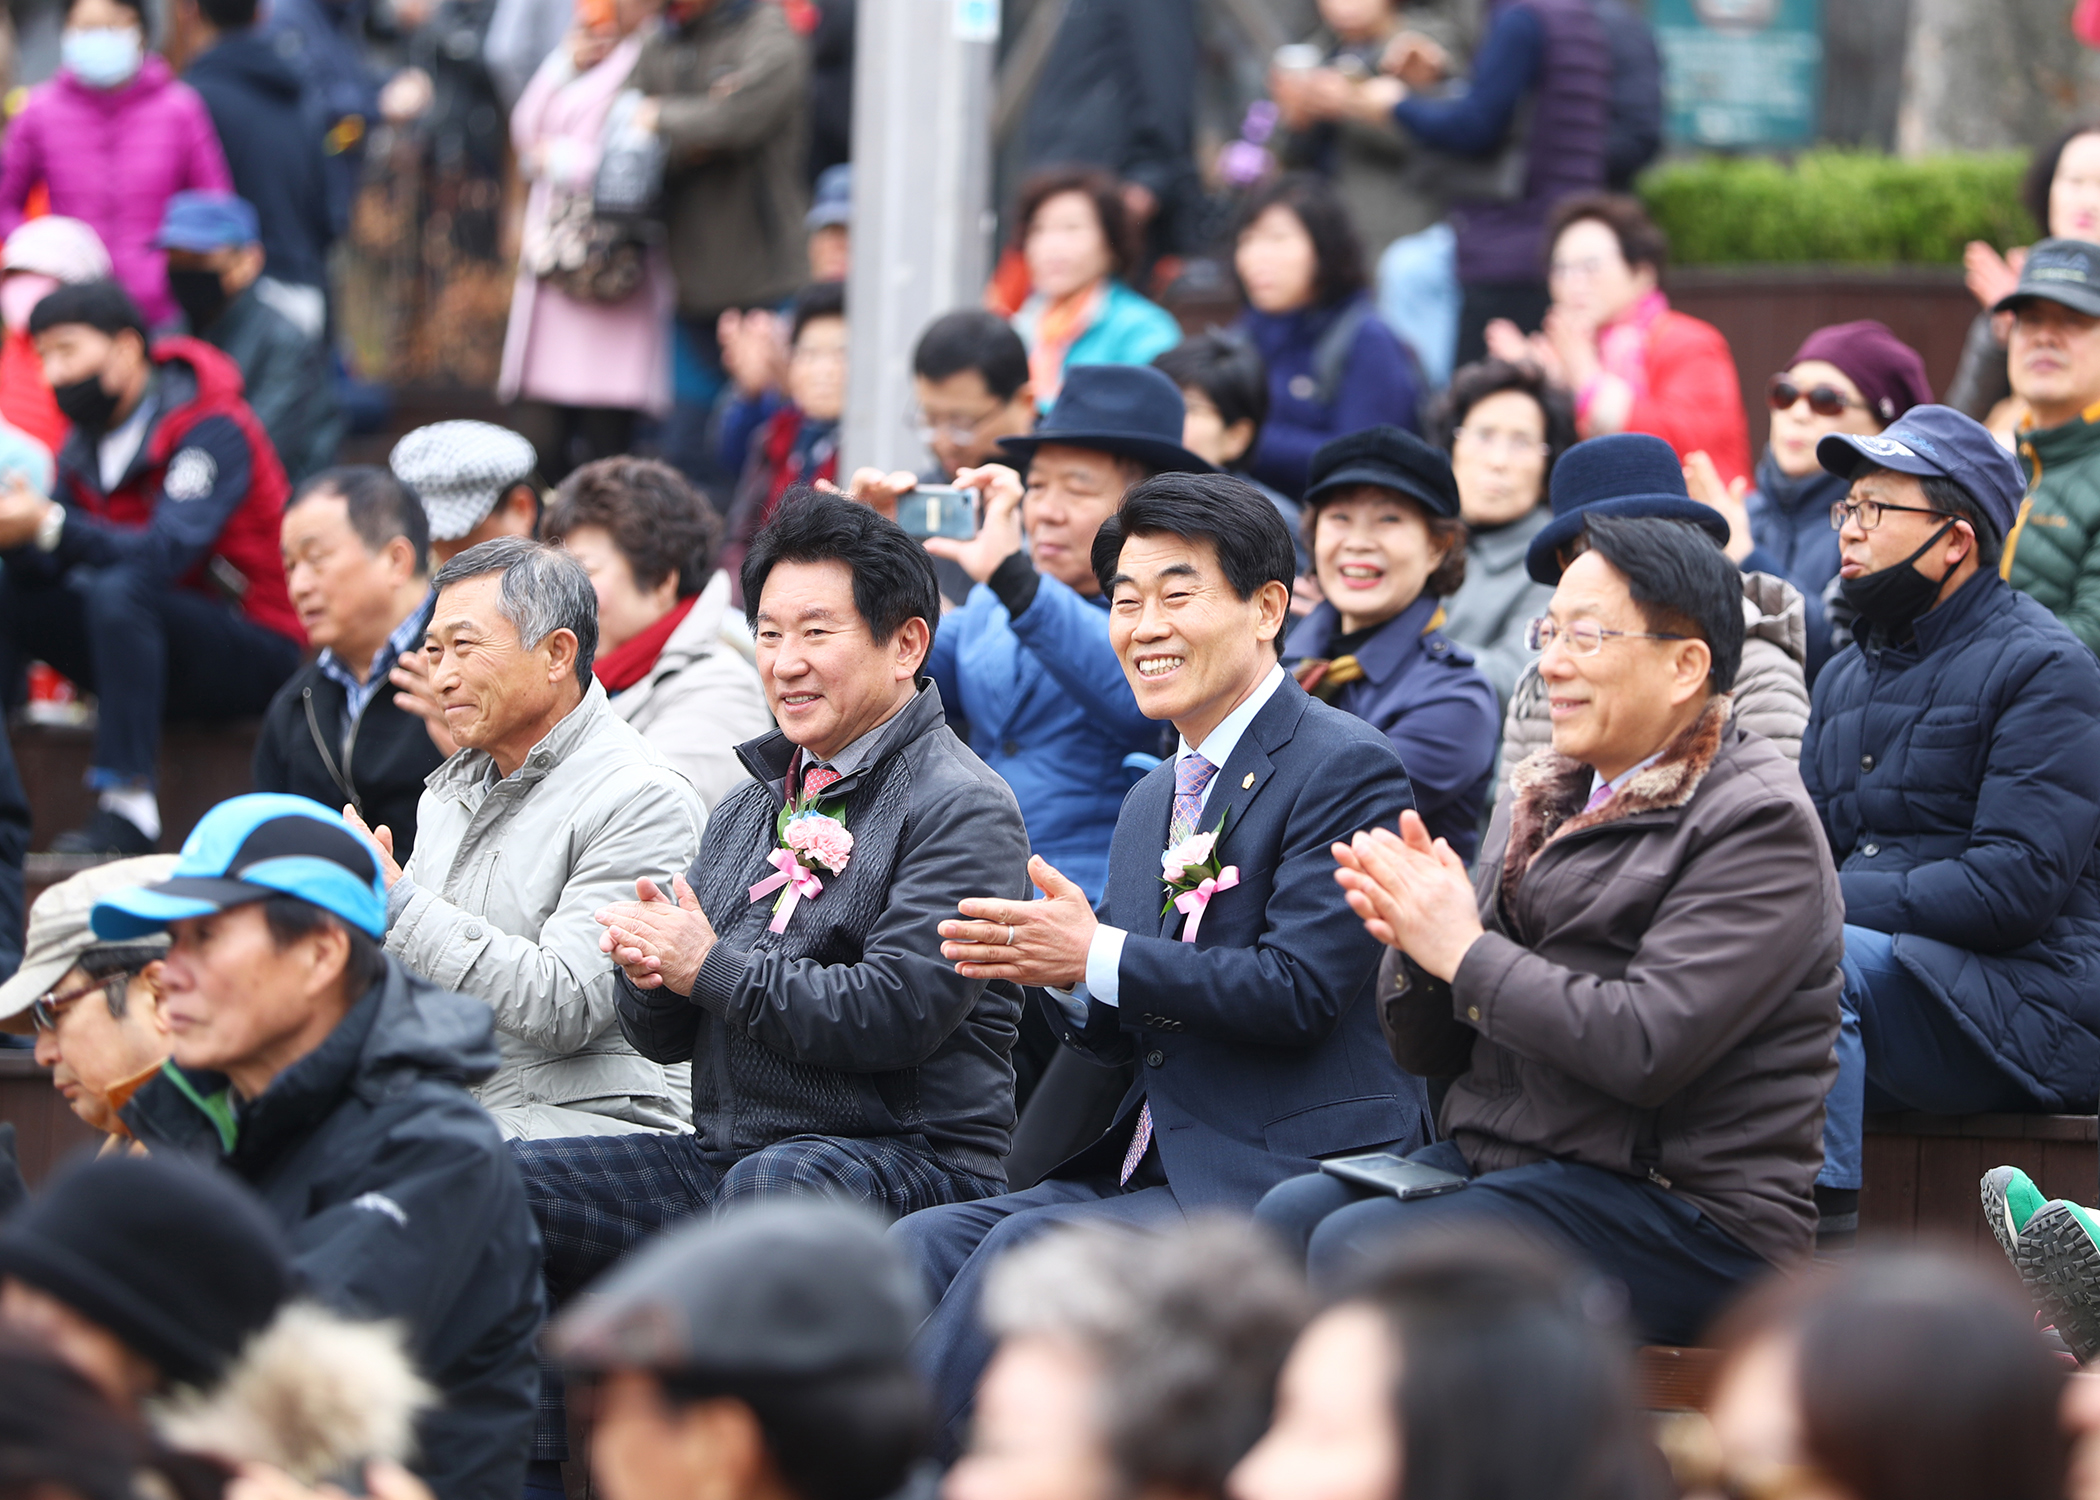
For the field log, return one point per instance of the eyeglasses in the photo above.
(1867, 513)
(928, 432)
(1823, 400)
(1495, 440)
(43, 1011)
(1583, 637)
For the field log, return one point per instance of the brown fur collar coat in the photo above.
(1548, 790)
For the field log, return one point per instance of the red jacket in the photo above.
(25, 401)
(1694, 400)
(200, 503)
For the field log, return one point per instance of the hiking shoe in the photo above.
(109, 834)
(2057, 1253)
(2010, 1199)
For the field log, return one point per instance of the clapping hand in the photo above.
(1030, 942)
(21, 513)
(657, 942)
(382, 838)
(411, 674)
(1412, 892)
(1704, 482)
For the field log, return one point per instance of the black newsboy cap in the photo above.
(1389, 457)
(777, 1289)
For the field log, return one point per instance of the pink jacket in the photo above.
(114, 157)
(559, 349)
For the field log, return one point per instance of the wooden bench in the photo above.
(1922, 1172)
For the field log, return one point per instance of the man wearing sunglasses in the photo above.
(94, 1006)
(2053, 361)
(1953, 753)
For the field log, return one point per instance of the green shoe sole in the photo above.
(2057, 1259)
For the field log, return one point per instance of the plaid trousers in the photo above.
(598, 1197)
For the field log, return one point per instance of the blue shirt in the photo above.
(358, 696)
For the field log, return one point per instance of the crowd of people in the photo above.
(1245, 931)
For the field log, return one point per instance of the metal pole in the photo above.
(922, 157)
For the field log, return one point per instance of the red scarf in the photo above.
(627, 664)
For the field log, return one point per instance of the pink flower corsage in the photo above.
(809, 840)
(1193, 875)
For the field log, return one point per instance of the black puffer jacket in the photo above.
(1958, 775)
(850, 1023)
(400, 1202)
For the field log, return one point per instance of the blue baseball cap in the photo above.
(203, 222)
(243, 850)
(1935, 441)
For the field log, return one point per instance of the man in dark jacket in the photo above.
(357, 558)
(1117, 90)
(1636, 993)
(151, 576)
(215, 271)
(832, 1050)
(1954, 754)
(333, 1082)
(272, 137)
(726, 85)
(1246, 995)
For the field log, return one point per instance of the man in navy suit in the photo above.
(1259, 1044)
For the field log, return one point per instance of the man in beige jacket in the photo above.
(550, 810)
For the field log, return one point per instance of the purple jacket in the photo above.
(1553, 51)
(114, 157)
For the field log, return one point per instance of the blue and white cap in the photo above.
(1935, 440)
(243, 850)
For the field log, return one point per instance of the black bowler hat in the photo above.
(1624, 474)
(1389, 458)
(1132, 411)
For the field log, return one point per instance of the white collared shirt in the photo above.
(1104, 955)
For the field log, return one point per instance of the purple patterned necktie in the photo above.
(1598, 798)
(1192, 773)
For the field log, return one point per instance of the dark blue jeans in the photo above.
(147, 650)
(1902, 1048)
(1677, 1268)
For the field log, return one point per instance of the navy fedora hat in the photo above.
(1623, 474)
(1132, 411)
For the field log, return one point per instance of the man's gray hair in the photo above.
(544, 590)
(1189, 1330)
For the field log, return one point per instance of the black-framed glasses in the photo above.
(43, 1011)
(1824, 400)
(1867, 513)
(1583, 637)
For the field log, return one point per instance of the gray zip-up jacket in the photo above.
(498, 902)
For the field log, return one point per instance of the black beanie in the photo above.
(181, 1264)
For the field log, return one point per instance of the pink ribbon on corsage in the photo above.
(1191, 904)
(800, 882)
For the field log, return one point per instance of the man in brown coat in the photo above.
(1637, 1005)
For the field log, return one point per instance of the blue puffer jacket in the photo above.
(1790, 522)
(1049, 710)
(1422, 691)
(1958, 776)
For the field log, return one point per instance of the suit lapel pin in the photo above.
(1248, 783)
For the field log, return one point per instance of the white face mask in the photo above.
(102, 57)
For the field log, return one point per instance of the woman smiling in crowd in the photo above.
(1382, 516)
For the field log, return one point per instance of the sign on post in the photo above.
(1740, 74)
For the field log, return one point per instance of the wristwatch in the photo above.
(51, 527)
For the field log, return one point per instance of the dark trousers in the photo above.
(568, 437)
(1524, 303)
(954, 1247)
(14, 844)
(147, 651)
(1677, 1268)
(598, 1197)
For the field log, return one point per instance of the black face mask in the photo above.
(86, 404)
(200, 294)
(1894, 597)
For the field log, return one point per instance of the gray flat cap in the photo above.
(59, 933)
(461, 470)
(801, 1288)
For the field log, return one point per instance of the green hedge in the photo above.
(1835, 206)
